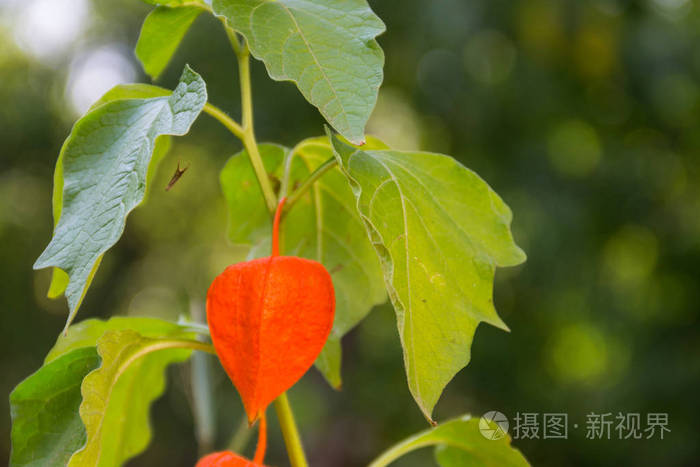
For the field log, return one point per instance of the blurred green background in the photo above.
(583, 115)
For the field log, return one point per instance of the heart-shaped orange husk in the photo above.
(269, 319)
(225, 459)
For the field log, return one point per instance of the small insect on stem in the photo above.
(176, 176)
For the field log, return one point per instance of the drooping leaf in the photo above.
(459, 443)
(439, 231)
(59, 279)
(86, 333)
(323, 226)
(117, 396)
(161, 34)
(104, 164)
(326, 47)
(46, 426)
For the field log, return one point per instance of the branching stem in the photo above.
(245, 131)
(308, 183)
(225, 120)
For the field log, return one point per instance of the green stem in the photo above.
(245, 131)
(225, 120)
(295, 450)
(198, 328)
(183, 344)
(249, 142)
(284, 186)
(310, 180)
(259, 168)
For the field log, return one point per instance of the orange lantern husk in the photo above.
(269, 319)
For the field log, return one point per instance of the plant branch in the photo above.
(225, 120)
(248, 133)
(310, 180)
(295, 450)
(245, 131)
(284, 186)
(183, 344)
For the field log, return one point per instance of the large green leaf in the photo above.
(323, 225)
(326, 47)
(161, 34)
(117, 396)
(86, 333)
(439, 231)
(46, 426)
(459, 444)
(104, 165)
(59, 279)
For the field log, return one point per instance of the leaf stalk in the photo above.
(310, 180)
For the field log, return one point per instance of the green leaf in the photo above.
(86, 333)
(104, 163)
(459, 444)
(326, 47)
(323, 225)
(131, 91)
(161, 34)
(439, 231)
(485, 456)
(330, 360)
(248, 218)
(46, 426)
(178, 3)
(117, 396)
(59, 279)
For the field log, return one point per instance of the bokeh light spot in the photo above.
(630, 256)
(47, 28)
(95, 73)
(394, 121)
(578, 354)
(574, 148)
(489, 57)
